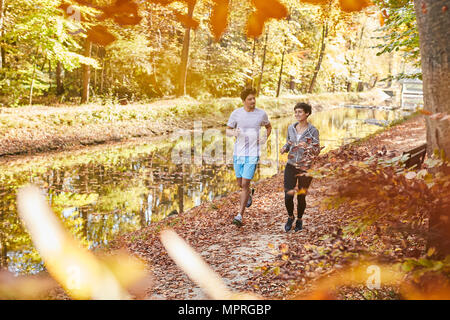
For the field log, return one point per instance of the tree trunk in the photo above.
(185, 53)
(102, 79)
(2, 31)
(3, 255)
(86, 73)
(59, 82)
(263, 64)
(349, 86)
(32, 84)
(95, 74)
(292, 83)
(252, 81)
(433, 20)
(319, 62)
(281, 68)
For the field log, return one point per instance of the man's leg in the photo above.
(239, 182)
(245, 193)
(247, 173)
(238, 168)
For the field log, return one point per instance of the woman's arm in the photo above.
(287, 146)
(316, 142)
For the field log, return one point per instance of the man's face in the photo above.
(250, 101)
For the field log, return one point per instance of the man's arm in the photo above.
(232, 132)
(264, 139)
(269, 130)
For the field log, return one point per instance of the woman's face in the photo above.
(300, 114)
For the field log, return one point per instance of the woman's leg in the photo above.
(290, 181)
(303, 183)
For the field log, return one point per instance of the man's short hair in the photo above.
(306, 107)
(246, 92)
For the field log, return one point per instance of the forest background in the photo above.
(47, 57)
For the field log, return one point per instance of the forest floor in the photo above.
(34, 129)
(260, 257)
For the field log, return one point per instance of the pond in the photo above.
(101, 192)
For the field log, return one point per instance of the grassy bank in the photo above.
(42, 128)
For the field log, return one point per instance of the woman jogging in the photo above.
(303, 145)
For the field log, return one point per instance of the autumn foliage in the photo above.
(125, 13)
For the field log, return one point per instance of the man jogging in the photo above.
(245, 124)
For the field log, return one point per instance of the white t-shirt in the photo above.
(249, 124)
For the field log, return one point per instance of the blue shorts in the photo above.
(245, 167)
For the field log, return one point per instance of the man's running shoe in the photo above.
(250, 201)
(238, 220)
(298, 225)
(288, 225)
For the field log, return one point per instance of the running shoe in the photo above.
(298, 225)
(238, 220)
(288, 225)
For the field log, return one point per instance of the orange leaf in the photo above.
(219, 17)
(163, 2)
(121, 7)
(100, 35)
(265, 10)
(187, 21)
(381, 19)
(270, 9)
(315, 1)
(284, 248)
(255, 25)
(425, 112)
(127, 20)
(354, 5)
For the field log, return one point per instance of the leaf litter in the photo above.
(261, 258)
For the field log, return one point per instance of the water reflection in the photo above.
(100, 194)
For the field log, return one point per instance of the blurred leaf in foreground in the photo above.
(81, 274)
(198, 270)
(24, 287)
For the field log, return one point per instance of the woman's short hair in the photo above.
(246, 92)
(306, 107)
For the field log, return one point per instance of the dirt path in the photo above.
(238, 254)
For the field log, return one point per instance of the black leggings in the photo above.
(291, 176)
